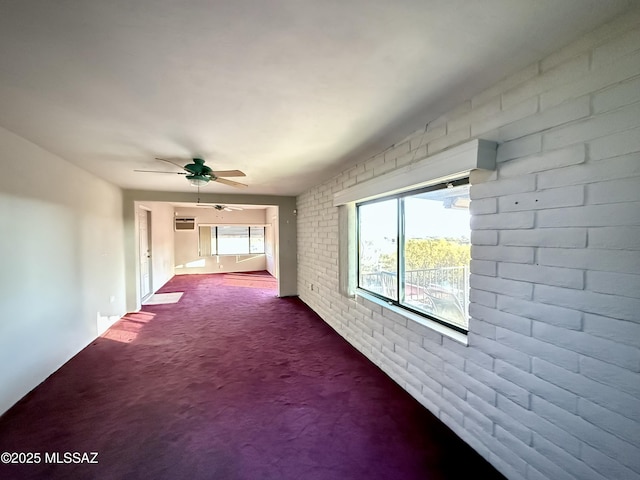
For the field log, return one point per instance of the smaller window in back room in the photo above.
(231, 240)
(414, 251)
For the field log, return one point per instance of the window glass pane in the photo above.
(257, 240)
(437, 253)
(378, 257)
(233, 240)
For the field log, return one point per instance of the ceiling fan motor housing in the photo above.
(198, 167)
(200, 173)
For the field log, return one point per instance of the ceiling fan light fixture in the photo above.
(198, 180)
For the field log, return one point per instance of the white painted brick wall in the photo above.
(601, 259)
(599, 78)
(504, 220)
(619, 331)
(484, 237)
(549, 385)
(545, 237)
(561, 277)
(503, 254)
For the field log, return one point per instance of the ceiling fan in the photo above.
(199, 174)
(226, 208)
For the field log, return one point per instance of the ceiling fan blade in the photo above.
(172, 161)
(158, 171)
(231, 183)
(228, 173)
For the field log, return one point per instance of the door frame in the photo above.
(149, 254)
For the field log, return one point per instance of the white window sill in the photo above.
(435, 326)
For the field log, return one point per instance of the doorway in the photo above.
(144, 234)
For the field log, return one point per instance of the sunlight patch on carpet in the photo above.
(250, 280)
(163, 298)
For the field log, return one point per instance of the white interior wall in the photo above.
(188, 261)
(549, 384)
(62, 257)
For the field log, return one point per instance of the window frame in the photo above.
(264, 240)
(400, 267)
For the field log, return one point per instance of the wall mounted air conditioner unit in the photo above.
(185, 223)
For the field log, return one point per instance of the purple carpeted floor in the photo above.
(231, 382)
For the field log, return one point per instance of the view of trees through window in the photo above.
(415, 250)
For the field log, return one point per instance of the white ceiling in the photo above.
(289, 91)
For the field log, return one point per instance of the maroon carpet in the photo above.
(229, 383)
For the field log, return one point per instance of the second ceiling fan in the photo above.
(200, 174)
(226, 208)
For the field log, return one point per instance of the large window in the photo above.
(231, 240)
(414, 251)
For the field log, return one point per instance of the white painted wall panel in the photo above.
(62, 263)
